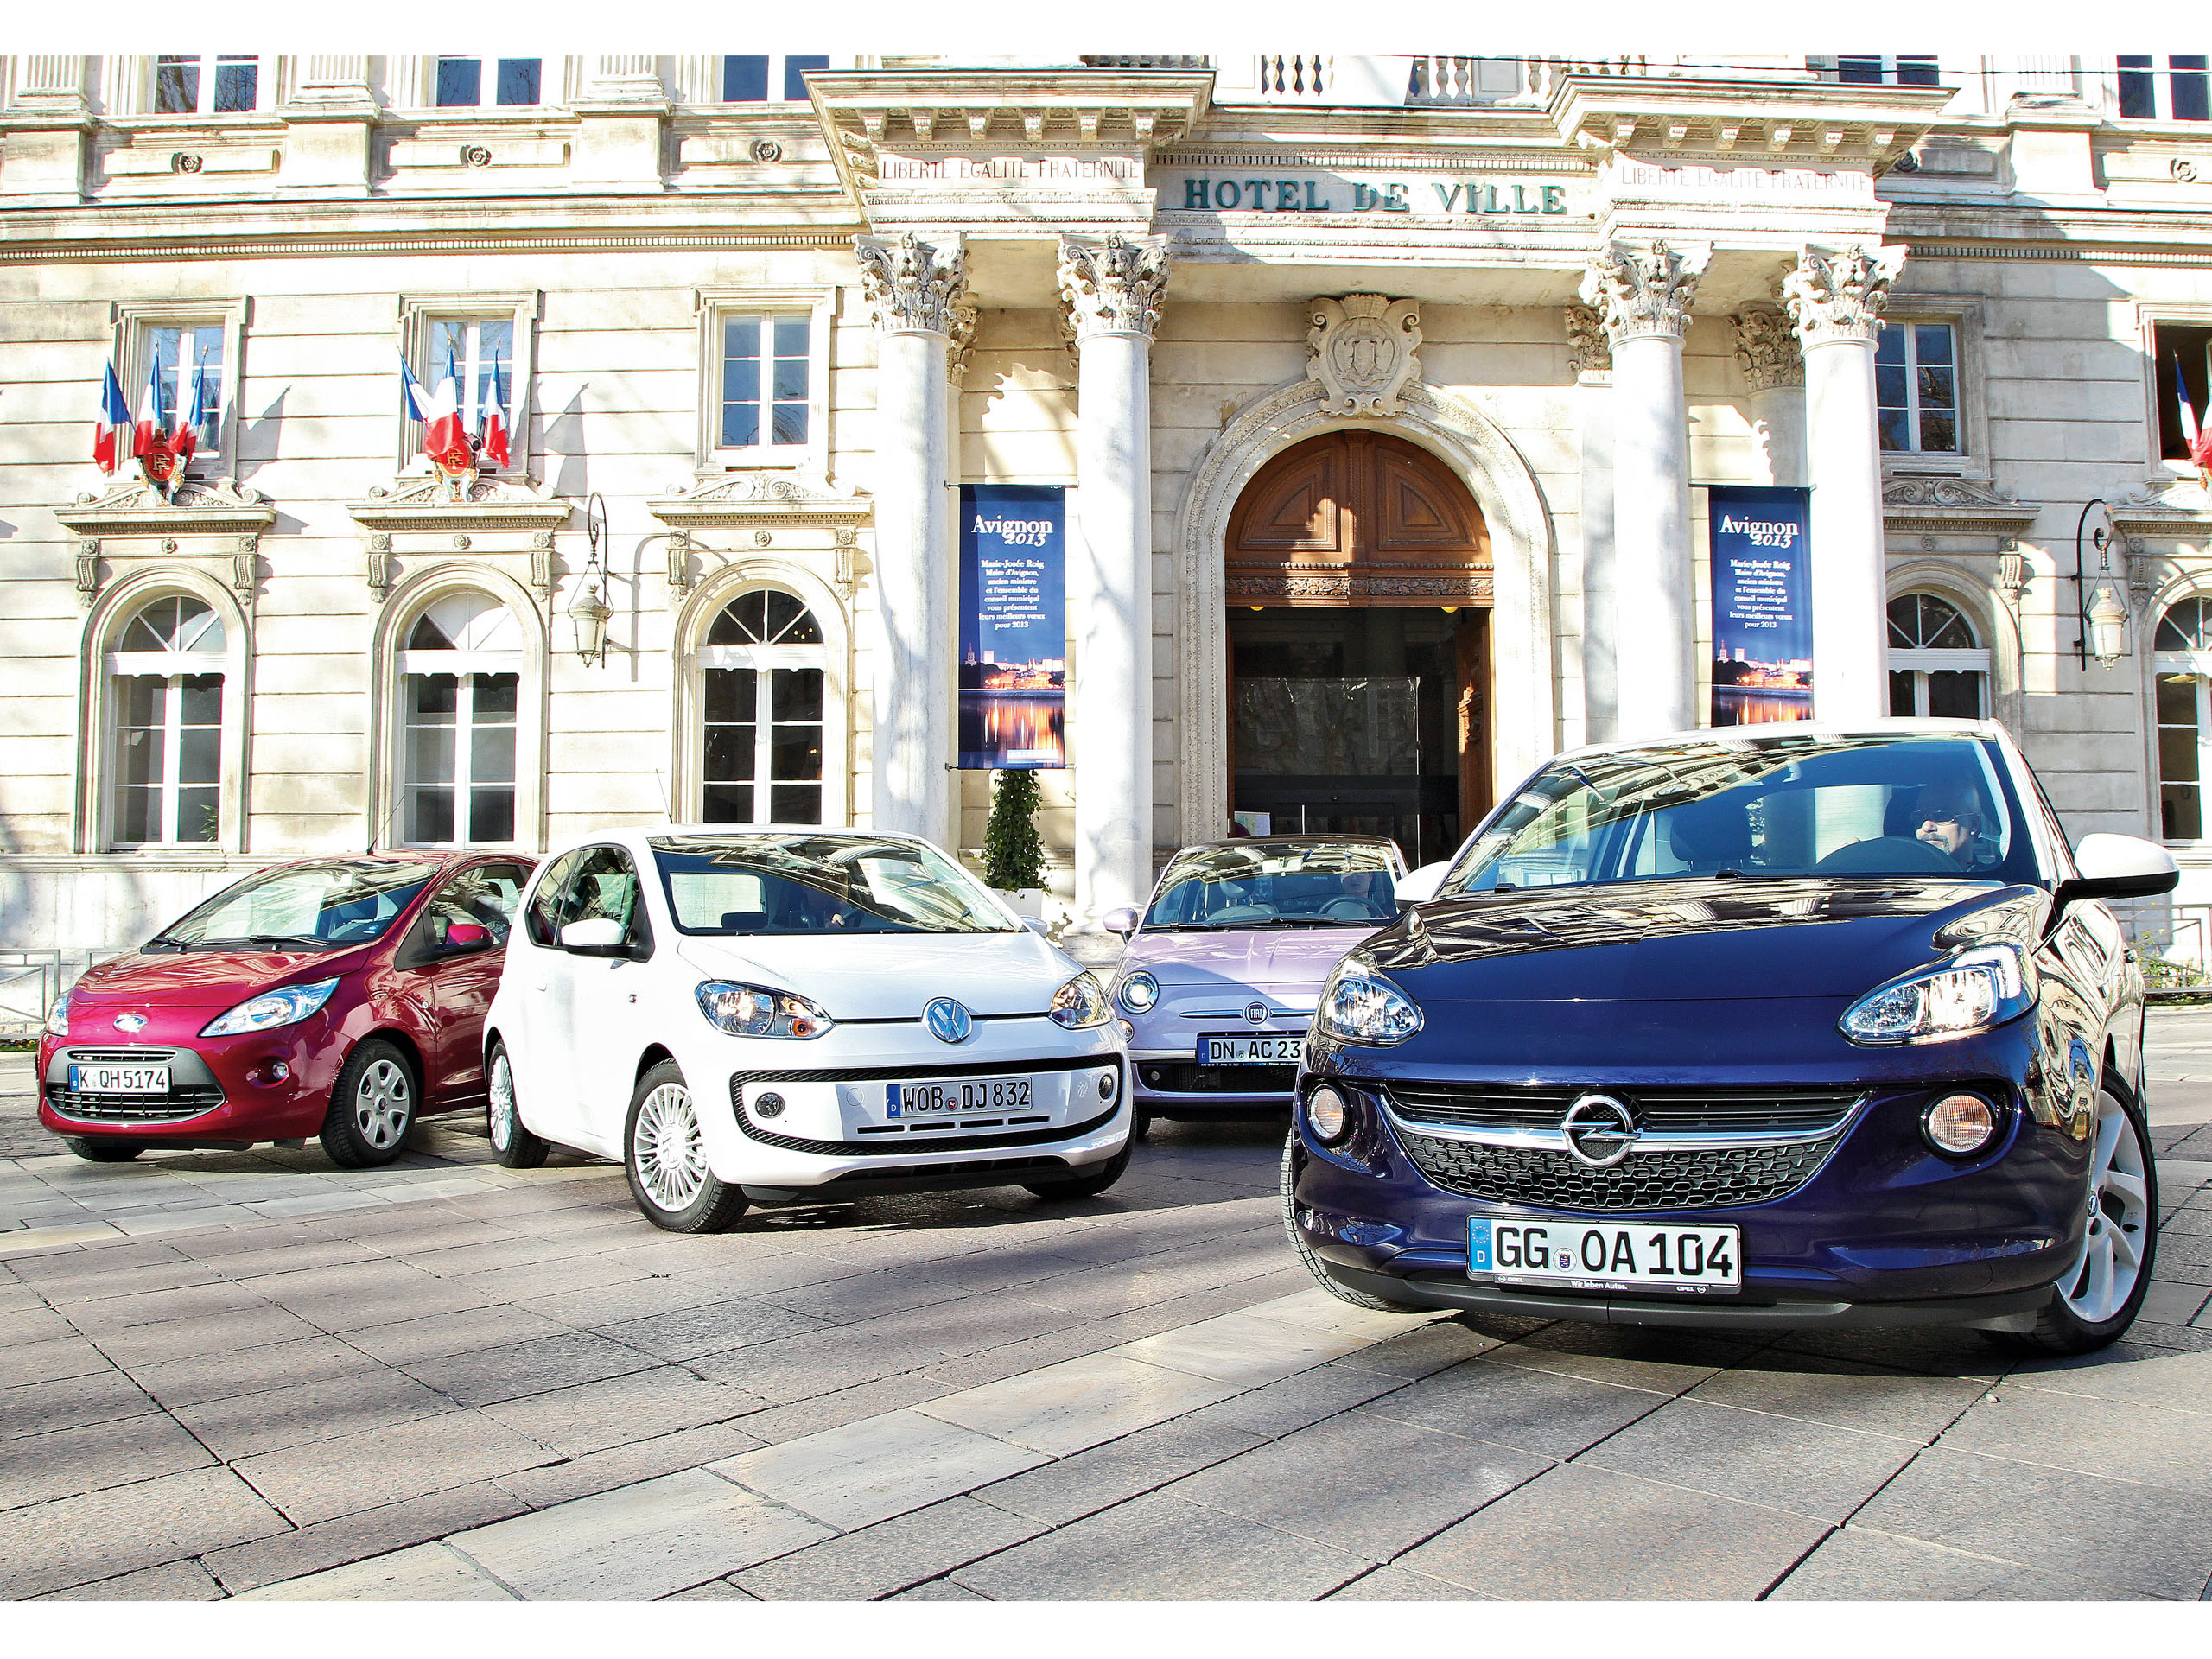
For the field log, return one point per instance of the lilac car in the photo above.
(1218, 986)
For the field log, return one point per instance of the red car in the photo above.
(338, 997)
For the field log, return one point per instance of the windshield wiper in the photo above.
(162, 942)
(278, 939)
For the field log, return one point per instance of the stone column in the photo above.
(1766, 347)
(915, 291)
(1591, 358)
(1644, 292)
(1113, 291)
(1835, 298)
(328, 123)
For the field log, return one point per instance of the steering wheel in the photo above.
(1348, 909)
(1888, 855)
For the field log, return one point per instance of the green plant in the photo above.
(1014, 853)
(2163, 974)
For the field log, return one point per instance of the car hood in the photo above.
(892, 975)
(1700, 938)
(1261, 957)
(203, 979)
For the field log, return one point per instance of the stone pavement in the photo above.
(255, 1375)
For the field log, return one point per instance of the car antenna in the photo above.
(384, 829)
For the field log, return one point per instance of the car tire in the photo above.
(512, 1143)
(103, 1152)
(2093, 1305)
(1086, 1187)
(1140, 1125)
(1294, 1161)
(373, 1107)
(664, 1155)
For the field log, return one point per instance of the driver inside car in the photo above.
(1950, 818)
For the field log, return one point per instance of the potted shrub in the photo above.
(1014, 853)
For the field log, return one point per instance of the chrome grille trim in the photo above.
(1666, 1118)
(1649, 1181)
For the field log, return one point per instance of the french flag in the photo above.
(192, 414)
(440, 415)
(146, 429)
(2200, 442)
(115, 418)
(493, 433)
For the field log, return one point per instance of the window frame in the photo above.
(208, 65)
(2193, 667)
(2159, 470)
(1963, 312)
(777, 76)
(135, 323)
(762, 660)
(418, 315)
(487, 76)
(714, 307)
(1922, 661)
(2161, 70)
(1888, 67)
(465, 665)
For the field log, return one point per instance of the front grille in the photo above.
(1706, 1178)
(174, 1107)
(891, 1147)
(1658, 1111)
(1187, 1077)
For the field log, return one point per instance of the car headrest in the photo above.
(1712, 833)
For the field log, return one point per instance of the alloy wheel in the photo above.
(2120, 1217)
(671, 1159)
(382, 1104)
(502, 1090)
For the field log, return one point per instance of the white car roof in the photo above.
(1900, 727)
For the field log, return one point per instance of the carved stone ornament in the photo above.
(1362, 352)
(913, 289)
(758, 501)
(1588, 351)
(1645, 289)
(88, 570)
(215, 518)
(1116, 287)
(415, 502)
(679, 564)
(1952, 505)
(376, 566)
(1766, 347)
(1838, 294)
(541, 563)
(963, 342)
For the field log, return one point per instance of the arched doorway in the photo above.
(1358, 581)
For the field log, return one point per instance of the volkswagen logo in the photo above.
(131, 1022)
(1256, 1013)
(1600, 1131)
(948, 1021)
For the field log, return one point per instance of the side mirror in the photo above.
(600, 936)
(2118, 867)
(1037, 925)
(1121, 919)
(463, 936)
(1419, 886)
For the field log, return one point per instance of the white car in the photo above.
(765, 1015)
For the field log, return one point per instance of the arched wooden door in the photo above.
(1359, 581)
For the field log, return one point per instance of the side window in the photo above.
(484, 896)
(604, 887)
(544, 903)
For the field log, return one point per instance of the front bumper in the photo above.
(225, 1091)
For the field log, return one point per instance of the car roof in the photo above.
(1781, 731)
(1317, 838)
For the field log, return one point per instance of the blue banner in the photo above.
(1012, 626)
(1762, 604)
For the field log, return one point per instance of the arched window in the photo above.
(460, 677)
(2183, 646)
(760, 695)
(1936, 665)
(166, 693)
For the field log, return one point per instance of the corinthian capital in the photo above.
(1645, 289)
(1114, 287)
(912, 288)
(1839, 293)
(1766, 345)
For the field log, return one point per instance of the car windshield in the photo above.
(1918, 807)
(1278, 884)
(744, 885)
(301, 907)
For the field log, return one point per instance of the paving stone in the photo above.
(938, 1590)
(1285, 1407)
(100, 1284)
(342, 1314)
(638, 1406)
(1842, 1393)
(1078, 1402)
(241, 1424)
(36, 1468)
(1934, 1351)
(1321, 1483)
(1160, 1548)
(171, 1581)
(1241, 1349)
(69, 1402)
(608, 1305)
(842, 1405)
(326, 1479)
(50, 1362)
(1402, 1584)
(1581, 1534)
(710, 1328)
(1858, 1563)
(74, 1540)
(876, 1468)
(2150, 1444)
(115, 1314)
(2135, 1537)
(27, 1327)
(407, 1342)
(1639, 1357)
(224, 1333)
(1787, 1463)
(1552, 1414)
(2166, 1303)
(1421, 1351)
(893, 1556)
(201, 1378)
(326, 1544)
(492, 1374)
(2131, 1372)
(637, 1541)
(625, 1466)
(713, 1590)
(426, 1572)
(1088, 1482)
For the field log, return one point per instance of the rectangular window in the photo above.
(1869, 71)
(518, 79)
(1917, 72)
(747, 80)
(795, 70)
(460, 758)
(2188, 89)
(2181, 808)
(176, 86)
(2182, 93)
(1859, 72)
(478, 355)
(229, 83)
(177, 351)
(2184, 355)
(2139, 98)
(460, 83)
(766, 368)
(1916, 388)
(515, 82)
(744, 752)
(169, 737)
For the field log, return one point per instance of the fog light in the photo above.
(1958, 1124)
(769, 1106)
(1128, 1031)
(1327, 1116)
(1105, 1085)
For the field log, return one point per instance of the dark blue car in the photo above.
(1763, 1029)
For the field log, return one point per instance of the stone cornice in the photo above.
(1806, 120)
(1955, 506)
(494, 503)
(2177, 509)
(758, 500)
(215, 507)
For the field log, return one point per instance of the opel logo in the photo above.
(131, 1022)
(1256, 1013)
(1600, 1131)
(948, 1022)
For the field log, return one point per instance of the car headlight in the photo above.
(1138, 993)
(1972, 992)
(271, 1009)
(1358, 1006)
(1080, 1004)
(57, 1017)
(757, 1011)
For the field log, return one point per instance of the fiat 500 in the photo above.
(1216, 987)
(338, 998)
(1792, 1028)
(756, 1017)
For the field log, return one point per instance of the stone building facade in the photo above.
(1386, 393)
